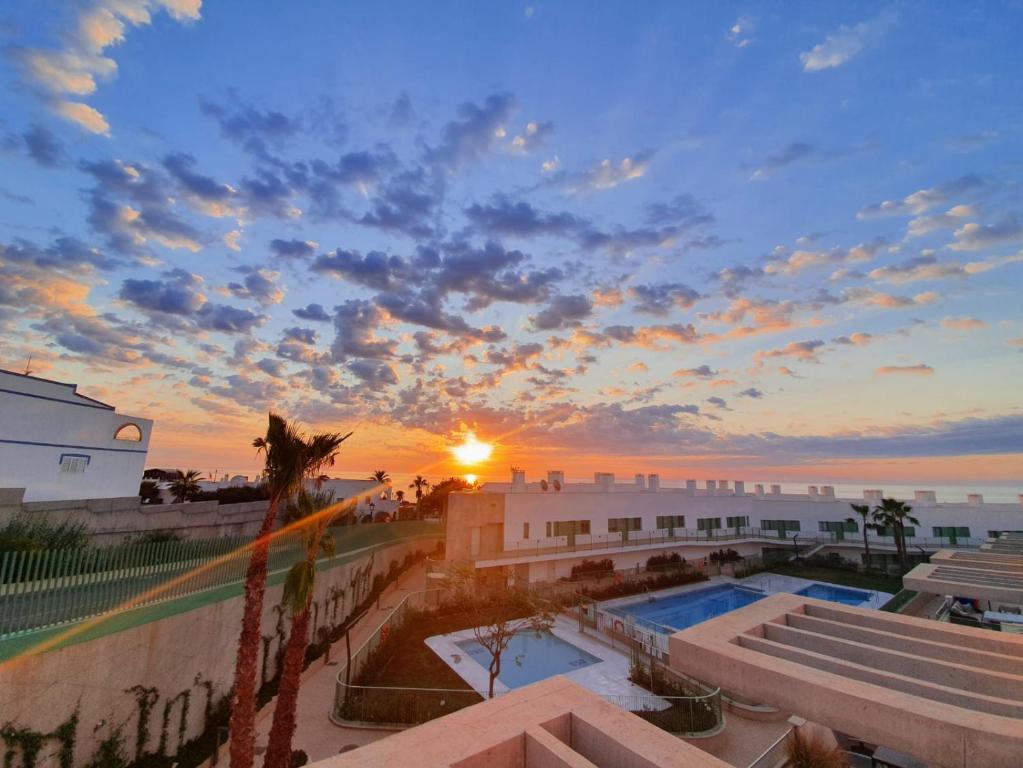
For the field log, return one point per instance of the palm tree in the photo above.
(185, 484)
(299, 588)
(863, 511)
(381, 477)
(290, 458)
(419, 483)
(400, 496)
(894, 514)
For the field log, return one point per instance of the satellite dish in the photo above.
(557, 485)
(543, 484)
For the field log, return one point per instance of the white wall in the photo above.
(627, 500)
(40, 421)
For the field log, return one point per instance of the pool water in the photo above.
(835, 594)
(531, 656)
(690, 608)
(685, 610)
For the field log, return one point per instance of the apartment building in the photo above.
(538, 530)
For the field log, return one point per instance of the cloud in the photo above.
(562, 312)
(208, 195)
(76, 68)
(356, 322)
(374, 270)
(963, 323)
(975, 237)
(607, 174)
(923, 200)
(928, 267)
(473, 132)
(293, 249)
(719, 402)
(915, 370)
(703, 372)
(254, 130)
(43, 146)
(740, 33)
(661, 299)
(795, 152)
(846, 43)
(177, 295)
(312, 312)
(752, 393)
(790, 263)
(534, 137)
(260, 285)
(854, 339)
(805, 351)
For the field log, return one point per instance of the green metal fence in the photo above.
(46, 588)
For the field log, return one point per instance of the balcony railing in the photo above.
(612, 541)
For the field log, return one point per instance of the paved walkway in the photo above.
(316, 734)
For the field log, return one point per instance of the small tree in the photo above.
(894, 514)
(421, 484)
(381, 476)
(804, 751)
(500, 613)
(863, 512)
(185, 485)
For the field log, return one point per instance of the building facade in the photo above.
(57, 444)
(538, 530)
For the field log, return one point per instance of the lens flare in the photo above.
(472, 451)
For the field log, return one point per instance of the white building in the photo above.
(57, 444)
(538, 531)
(373, 498)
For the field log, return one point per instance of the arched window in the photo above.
(130, 432)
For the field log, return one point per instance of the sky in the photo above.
(712, 240)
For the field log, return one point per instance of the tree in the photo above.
(498, 614)
(381, 477)
(893, 515)
(185, 485)
(810, 751)
(421, 484)
(289, 458)
(312, 513)
(436, 501)
(149, 492)
(399, 495)
(863, 511)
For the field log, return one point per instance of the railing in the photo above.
(47, 588)
(400, 707)
(682, 715)
(608, 541)
(346, 695)
(774, 754)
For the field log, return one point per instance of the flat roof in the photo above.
(949, 695)
(984, 575)
(551, 723)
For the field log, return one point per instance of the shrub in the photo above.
(810, 752)
(22, 533)
(661, 581)
(591, 567)
(725, 556)
(662, 561)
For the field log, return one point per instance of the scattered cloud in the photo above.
(914, 370)
(846, 43)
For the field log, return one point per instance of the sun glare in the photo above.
(472, 451)
(471, 479)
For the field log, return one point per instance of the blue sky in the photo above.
(781, 240)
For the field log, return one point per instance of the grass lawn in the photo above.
(845, 578)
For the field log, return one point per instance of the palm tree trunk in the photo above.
(242, 726)
(278, 752)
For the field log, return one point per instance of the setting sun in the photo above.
(472, 451)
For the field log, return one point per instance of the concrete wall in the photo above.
(113, 520)
(41, 421)
(172, 655)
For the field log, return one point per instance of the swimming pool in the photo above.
(687, 609)
(530, 657)
(835, 594)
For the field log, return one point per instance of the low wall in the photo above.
(167, 674)
(110, 521)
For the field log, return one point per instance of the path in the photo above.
(316, 734)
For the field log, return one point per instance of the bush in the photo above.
(810, 752)
(23, 533)
(626, 588)
(233, 495)
(591, 567)
(723, 556)
(662, 561)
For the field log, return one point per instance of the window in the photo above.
(129, 432)
(73, 463)
(951, 532)
(567, 527)
(781, 526)
(737, 522)
(844, 526)
(708, 523)
(996, 534)
(525, 530)
(624, 524)
(671, 522)
(885, 530)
